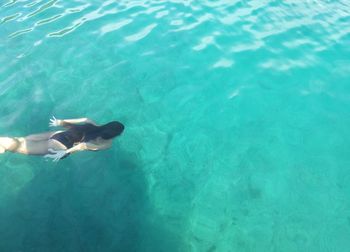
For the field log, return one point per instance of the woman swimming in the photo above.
(80, 134)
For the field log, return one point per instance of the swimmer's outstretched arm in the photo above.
(58, 154)
(64, 123)
(89, 146)
(77, 121)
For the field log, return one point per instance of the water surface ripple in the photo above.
(236, 114)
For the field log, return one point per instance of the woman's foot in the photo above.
(2, 149)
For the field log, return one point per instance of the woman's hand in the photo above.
(54, 122)
(57, 154)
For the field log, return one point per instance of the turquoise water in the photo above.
(237, 125)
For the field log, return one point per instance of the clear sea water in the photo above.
(237, 118)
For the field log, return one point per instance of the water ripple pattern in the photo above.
(237, 125)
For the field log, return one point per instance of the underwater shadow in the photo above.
(93, 201)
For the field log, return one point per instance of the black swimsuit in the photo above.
(69, 137)
(63, 139)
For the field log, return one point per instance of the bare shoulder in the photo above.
(101, 142)
(98, 144)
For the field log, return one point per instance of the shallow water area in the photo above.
(236, 115)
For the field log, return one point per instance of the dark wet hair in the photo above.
(111, 130)
(89, 131)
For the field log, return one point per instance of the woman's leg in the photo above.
(26, 146)
(8, 144)
(30, 147)
(41, 136)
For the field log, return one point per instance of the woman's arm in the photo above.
(67, 122)
(100, 146)
(89, 146)
(78, 147)
(56, 155)
(77, 121)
